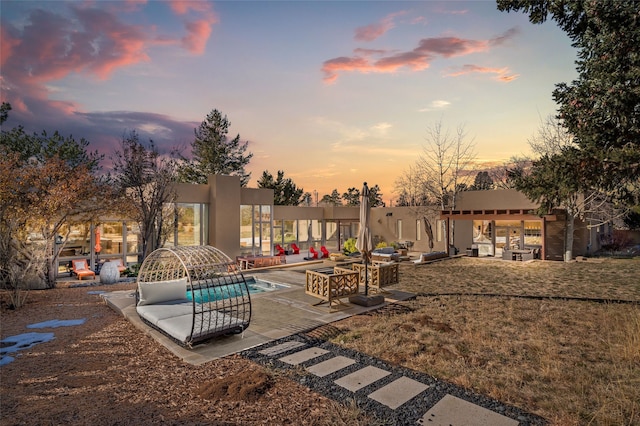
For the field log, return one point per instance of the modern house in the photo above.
(242, 221)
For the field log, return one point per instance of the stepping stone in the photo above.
(452, 411)
(361, 378)
(398, 392)
(329, 366)
(282, 347)
(304, 355)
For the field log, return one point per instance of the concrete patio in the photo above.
(275, 314)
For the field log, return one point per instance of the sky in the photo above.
(334, 93)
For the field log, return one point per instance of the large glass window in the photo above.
(189, 224)
(256, 229)
(316, 229)
(290, 231)
(265, 229)
(482, 231)
(304, 233)
(246, 229)
(331, 236)
(111, 238)
(134, 242)
(78, 242)
(532, 233)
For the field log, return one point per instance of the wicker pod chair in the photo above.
(192, 293)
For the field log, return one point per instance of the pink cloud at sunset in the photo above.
(199, 30)
(417, 59)
(503, 74)
(373, 31)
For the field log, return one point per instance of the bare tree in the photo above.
(146, 178)
(441, 165)
(439, 173)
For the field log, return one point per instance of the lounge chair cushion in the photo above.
(385, 250)
(179, 327)
(162, 291)
(162, 311)
(80, 265)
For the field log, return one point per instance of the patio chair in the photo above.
(325, 252)
(80, 269)
(314, 253)
(280, 250)
(118, 261)
(295, 248)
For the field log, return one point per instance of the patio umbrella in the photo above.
(364, 243)
(97, 247)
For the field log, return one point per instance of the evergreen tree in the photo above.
(285, 192)
(482, 182)
(599, 108)
(352, 197)
(333, 200)
(213, 153)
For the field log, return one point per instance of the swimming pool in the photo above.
(256, 286)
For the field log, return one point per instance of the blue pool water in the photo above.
(233, 290)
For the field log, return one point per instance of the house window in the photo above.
(532, 232)
(399, 228)
(418, 230)
(482, 231)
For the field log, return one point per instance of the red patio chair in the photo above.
(325, 252)
(314, 253)
(280, 250)
(295, 248)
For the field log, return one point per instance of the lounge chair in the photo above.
(80, 269)
(118, 261)
(325, 252)
(280, 250)
(314, 253)
(295, 248)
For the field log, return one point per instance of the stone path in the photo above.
(395, 395)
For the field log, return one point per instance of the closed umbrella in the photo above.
(97, 247)
(364, 244)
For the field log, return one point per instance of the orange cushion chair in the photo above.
(81, 269)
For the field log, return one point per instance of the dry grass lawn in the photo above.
(519, 332)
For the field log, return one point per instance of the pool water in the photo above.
(233, 290)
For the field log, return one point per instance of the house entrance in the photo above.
(508, 237)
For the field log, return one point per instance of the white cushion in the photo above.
(161, 311)
(162, 291)
(80, 264)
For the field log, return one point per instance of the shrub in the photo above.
(349, 246)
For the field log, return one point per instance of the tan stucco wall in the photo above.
(224, 214)
(386, 226)
(190, 193)
(295, 212)
(498, 199)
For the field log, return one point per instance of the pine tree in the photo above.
(213, 153)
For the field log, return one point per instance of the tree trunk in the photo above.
(568, 238)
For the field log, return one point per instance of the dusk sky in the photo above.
(332, 92)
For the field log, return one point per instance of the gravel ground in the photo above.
(406, 414)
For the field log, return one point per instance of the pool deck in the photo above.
(275, 314)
